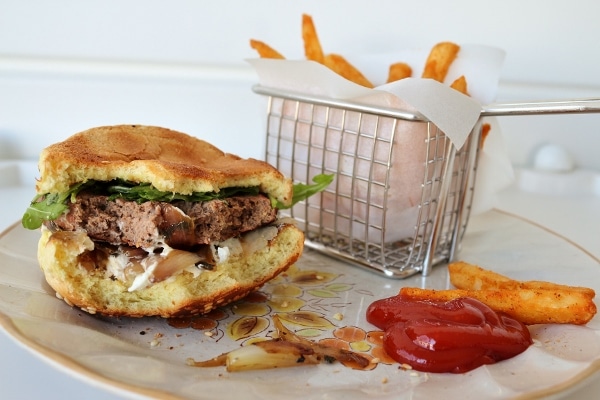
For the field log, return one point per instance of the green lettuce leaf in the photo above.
(304, 191)
(48, 207)
(146, 192)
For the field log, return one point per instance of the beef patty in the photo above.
(180, 224)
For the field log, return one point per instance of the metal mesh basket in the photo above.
(400, 202)
(354, 218)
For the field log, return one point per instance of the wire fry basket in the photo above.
(395, 221)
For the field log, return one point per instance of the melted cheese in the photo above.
(143, 280)
(117, 265)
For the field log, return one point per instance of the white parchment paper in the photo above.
(454, 113)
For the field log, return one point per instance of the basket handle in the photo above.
(542, 107)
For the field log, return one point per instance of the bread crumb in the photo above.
(338, 316)
(384, 379)
(209, 333)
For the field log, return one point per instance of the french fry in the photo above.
(264, 50)
(530, 306)
(430, 69)
(439, 60)
(472, 277)
(312, 45)
(342, 67)
(460, 84)
(399, 71)
(485, 131)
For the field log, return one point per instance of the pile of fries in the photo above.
(440, 58)
(438, 62)
(531, 302)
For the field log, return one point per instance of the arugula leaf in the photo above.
(146, 192)
(303, 191)
(48, 207)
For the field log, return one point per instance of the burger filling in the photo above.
(180, 224)
(142, 235)
(141, 243)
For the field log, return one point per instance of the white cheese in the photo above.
(222, 254)
(116, 265)
(143, 280)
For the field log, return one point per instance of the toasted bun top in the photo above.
(171, 161)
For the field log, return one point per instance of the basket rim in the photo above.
(340, 103)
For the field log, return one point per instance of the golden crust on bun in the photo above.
(171, 161)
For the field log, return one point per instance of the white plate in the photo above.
(148, 356)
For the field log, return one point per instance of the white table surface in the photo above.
(23, 375)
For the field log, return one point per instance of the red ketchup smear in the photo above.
(454, 336)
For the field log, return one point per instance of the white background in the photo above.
(68, 65)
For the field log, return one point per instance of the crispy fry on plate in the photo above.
(439, 60)
(468, 276)
(399, 71)
(342, 67)
(264, 50)
(312, 45)
(530, 306)
(472, 277)
(531, 302)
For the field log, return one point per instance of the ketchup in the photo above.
(454, 336)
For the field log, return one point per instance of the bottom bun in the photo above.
(62, 261)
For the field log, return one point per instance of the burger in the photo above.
(146, 221)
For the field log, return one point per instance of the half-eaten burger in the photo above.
(142, 220)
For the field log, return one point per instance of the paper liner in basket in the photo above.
(348, 146)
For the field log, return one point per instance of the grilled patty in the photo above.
(180, 224)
